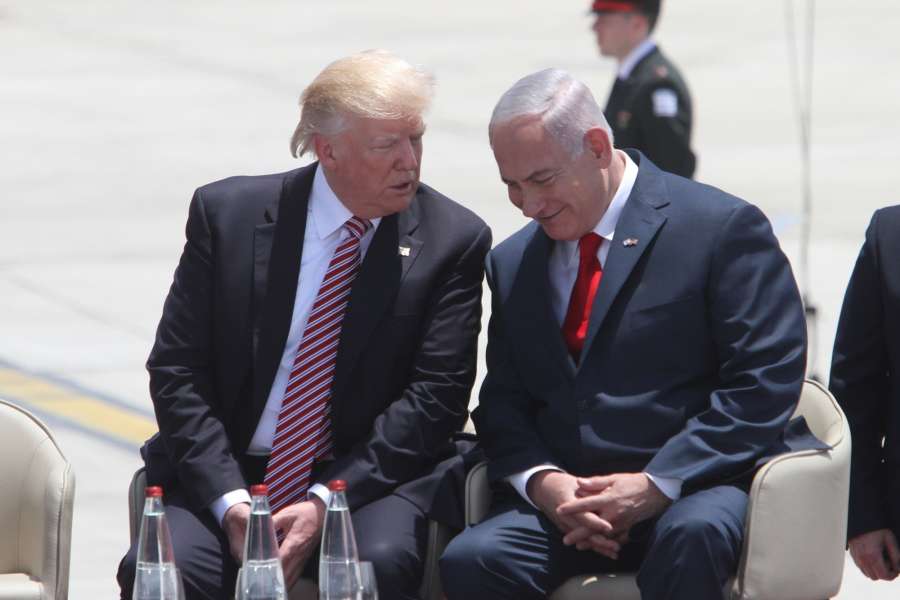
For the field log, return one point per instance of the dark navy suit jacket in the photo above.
(695, 354)
(864, 376)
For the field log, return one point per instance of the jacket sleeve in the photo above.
(181, 378)
(407, 436)
(860, 382)
(758, 330)
(506, 413)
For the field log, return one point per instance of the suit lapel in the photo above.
(391, 254)
(532, 311)
(278, 245)
(638, 225)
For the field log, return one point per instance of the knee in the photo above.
(466, 560)
(397, 569)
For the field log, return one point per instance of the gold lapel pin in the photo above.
(629, 242)
(403, 250)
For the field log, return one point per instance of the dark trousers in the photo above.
(390, 532)
(689, 551)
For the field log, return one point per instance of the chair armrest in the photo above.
(797, 523)
(478, 494)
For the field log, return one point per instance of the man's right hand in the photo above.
(235, 525)
(548, 490)
(877, 554)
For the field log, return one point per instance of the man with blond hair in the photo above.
(322, 325)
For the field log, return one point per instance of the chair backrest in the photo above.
(36, 503)
(822, 413)
(136, 493)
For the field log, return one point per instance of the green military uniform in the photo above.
(651, 110)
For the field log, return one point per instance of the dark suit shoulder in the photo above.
(656, 71)
(886, 221)
(433, 206)
(509, 252)
(247, 186)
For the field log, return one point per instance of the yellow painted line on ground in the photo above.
(72, 405)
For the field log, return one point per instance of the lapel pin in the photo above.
(629, 242)
(403, 250)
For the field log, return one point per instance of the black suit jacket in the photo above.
(694, 357)
(666, 140)
(406, 360)
(864, 372)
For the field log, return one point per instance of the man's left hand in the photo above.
(622, 499)
(302, 527)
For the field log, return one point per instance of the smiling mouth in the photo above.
(548, 217)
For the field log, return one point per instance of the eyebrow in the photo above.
(533, 176)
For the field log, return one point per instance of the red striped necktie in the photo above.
(578, 316)
(303, 432)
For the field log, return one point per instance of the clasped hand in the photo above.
(301, 524)
(596, 513)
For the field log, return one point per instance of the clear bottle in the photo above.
(156, 577)
(261, 576)
(339, 577)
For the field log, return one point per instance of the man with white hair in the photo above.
(322, 325)
(645, 352)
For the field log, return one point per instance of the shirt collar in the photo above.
(327, 211)
(606, 227)
(635, 56)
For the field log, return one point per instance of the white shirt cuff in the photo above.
(520, 480)
(321, 491)
(669, 486)
(221, 504)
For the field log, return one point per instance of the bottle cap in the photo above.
(153, 491)
(260, 489)
(337, 485)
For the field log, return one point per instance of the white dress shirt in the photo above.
(562, 271)
(325, 218)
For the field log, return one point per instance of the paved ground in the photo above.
(111, 113)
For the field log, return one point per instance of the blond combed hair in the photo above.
(373, 84)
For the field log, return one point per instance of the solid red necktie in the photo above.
(578, 315)
(303, 431)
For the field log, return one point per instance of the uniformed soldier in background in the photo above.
(649, 107)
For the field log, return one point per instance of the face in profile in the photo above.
(564, 195)
(614, 34)
(373, 164)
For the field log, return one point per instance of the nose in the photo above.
(532, 205)
(407, 156)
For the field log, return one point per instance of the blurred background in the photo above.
(112, 112)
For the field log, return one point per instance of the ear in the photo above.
(324, 147)
(597, 142)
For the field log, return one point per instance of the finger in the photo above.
(579, 534)
(594, 522)
(879, 568)
(605, 546)
(594, 484)
(592, 503)
(893, 551)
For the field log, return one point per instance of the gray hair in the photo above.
(565, 105)
(373, 84)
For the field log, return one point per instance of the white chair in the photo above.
(35, 509)
(795, 533)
